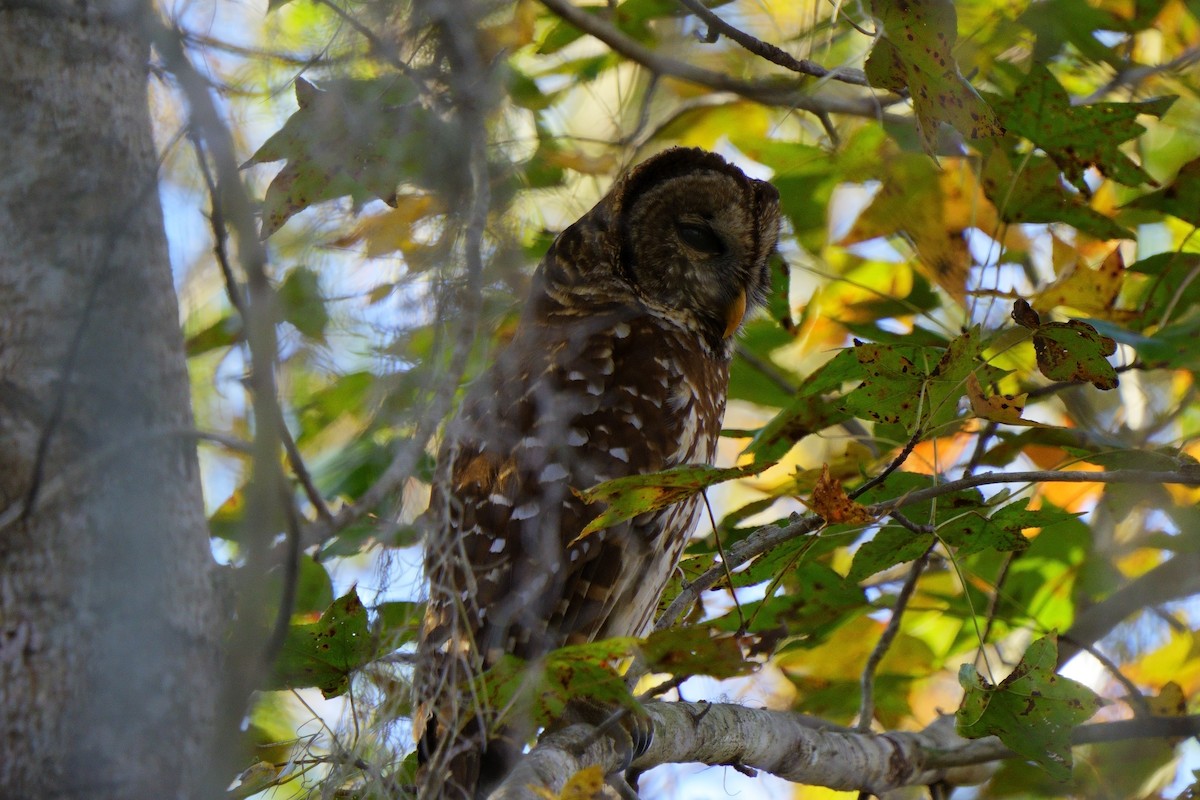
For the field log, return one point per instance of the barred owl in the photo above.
(619, 366)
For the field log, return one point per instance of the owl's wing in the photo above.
(619, 401)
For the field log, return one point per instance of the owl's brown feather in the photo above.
(619, 366)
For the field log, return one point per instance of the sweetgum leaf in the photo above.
(356, 138)
(889, 546)
(1034, 193)
(637, 494)
(325, 653)
(302, 303)
(539, 691)
(916, 53)
(694, 651)
(1077, 136)
(1032, 710)
(1180, 199)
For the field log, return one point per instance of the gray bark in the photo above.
(107, 623)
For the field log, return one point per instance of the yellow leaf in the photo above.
(1092, 291)
(604, 164)
(393, 231)
(1169, 702)
(934, 209)
(1005, 408)
(586, 784)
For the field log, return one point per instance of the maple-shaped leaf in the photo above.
(809, 412)
(974, 531)
(1072, 351)
(916, 53)
(816, 601)
(324, 653)
(637, 494)
(1032, 711)
(302, 304)
(355, 138)
(538, 691)
(1035, 193)
(900, 389)
(1077, 136)
(396, 230)
(891, 392)
(1180, 199)
(695, 650)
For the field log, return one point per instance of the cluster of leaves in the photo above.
(1003, 279)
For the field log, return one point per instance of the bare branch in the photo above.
(772, 92)
(769, 51)
(867, 707)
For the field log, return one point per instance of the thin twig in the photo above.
(233, 291)
(866, 712)
(768, 92)
(769, 51)
(895, 464)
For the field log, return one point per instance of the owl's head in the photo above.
(686, 234)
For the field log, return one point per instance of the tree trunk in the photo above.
(108, 651)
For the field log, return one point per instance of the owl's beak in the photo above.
(734, 314)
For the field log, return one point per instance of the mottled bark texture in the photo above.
(107, 650)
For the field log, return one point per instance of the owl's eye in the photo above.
(700, 237)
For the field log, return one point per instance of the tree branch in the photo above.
(768, 92)
(769, 51)
(788, 746)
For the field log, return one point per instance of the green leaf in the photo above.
(631, 17)
(889, 546)
(1077, 136)
(891, 392)
(807, 414)
(916, 53)
(746, 382)
(302, 303)
(1172, 286)
(973, 532)
(1180, 199)
(637, 494)
(400, 621)
(314, 588)
(1033, 193)
(356, 138)
(1072, 351)
(538, 692)
(813, 603)
(947, 380)
(1032, 710)
(695, 651)
(225, 332)
(325, 653)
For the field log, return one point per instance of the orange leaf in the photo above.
(830, 502)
